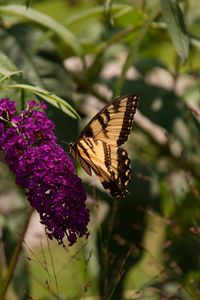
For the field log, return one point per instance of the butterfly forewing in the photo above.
(114, 122)
(98, 146)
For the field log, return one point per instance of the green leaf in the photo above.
(49, 97)
(174, 19)
(7, 68)
(96, 12)
(46, 21)
(6, 65)
(28, 48)
(40, 63)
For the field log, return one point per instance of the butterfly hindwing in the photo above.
(122, 178)
(109, 163)
(98, 147)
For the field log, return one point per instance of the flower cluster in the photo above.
(44, 169)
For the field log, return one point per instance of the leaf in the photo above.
(46, 21)
(96, 12)
(49, 97)
(41, 65)
(6, 65)
(7, 68)
(129, 17)
(174, 19)
(28, 48)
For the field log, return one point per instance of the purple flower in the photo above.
(44, 169)
(60, 199)
(7, 108)
(30, 128)
(7, 111)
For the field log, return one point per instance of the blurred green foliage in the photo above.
(77, 55)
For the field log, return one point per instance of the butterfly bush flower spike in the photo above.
(44, 169)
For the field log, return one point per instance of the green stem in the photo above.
(15, 257)
(22, 99)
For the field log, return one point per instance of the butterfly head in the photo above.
(71, 149)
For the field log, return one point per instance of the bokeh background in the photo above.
(85, 53)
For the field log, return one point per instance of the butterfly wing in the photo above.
(98, 147)
(114, 122)
(109, 163)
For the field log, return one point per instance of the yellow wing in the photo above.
(114, 122)
(109, 163)
(98, 146)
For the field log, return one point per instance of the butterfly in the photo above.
(98, 147)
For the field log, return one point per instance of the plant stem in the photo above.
(15, 256)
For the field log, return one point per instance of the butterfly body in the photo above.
(98, 147)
